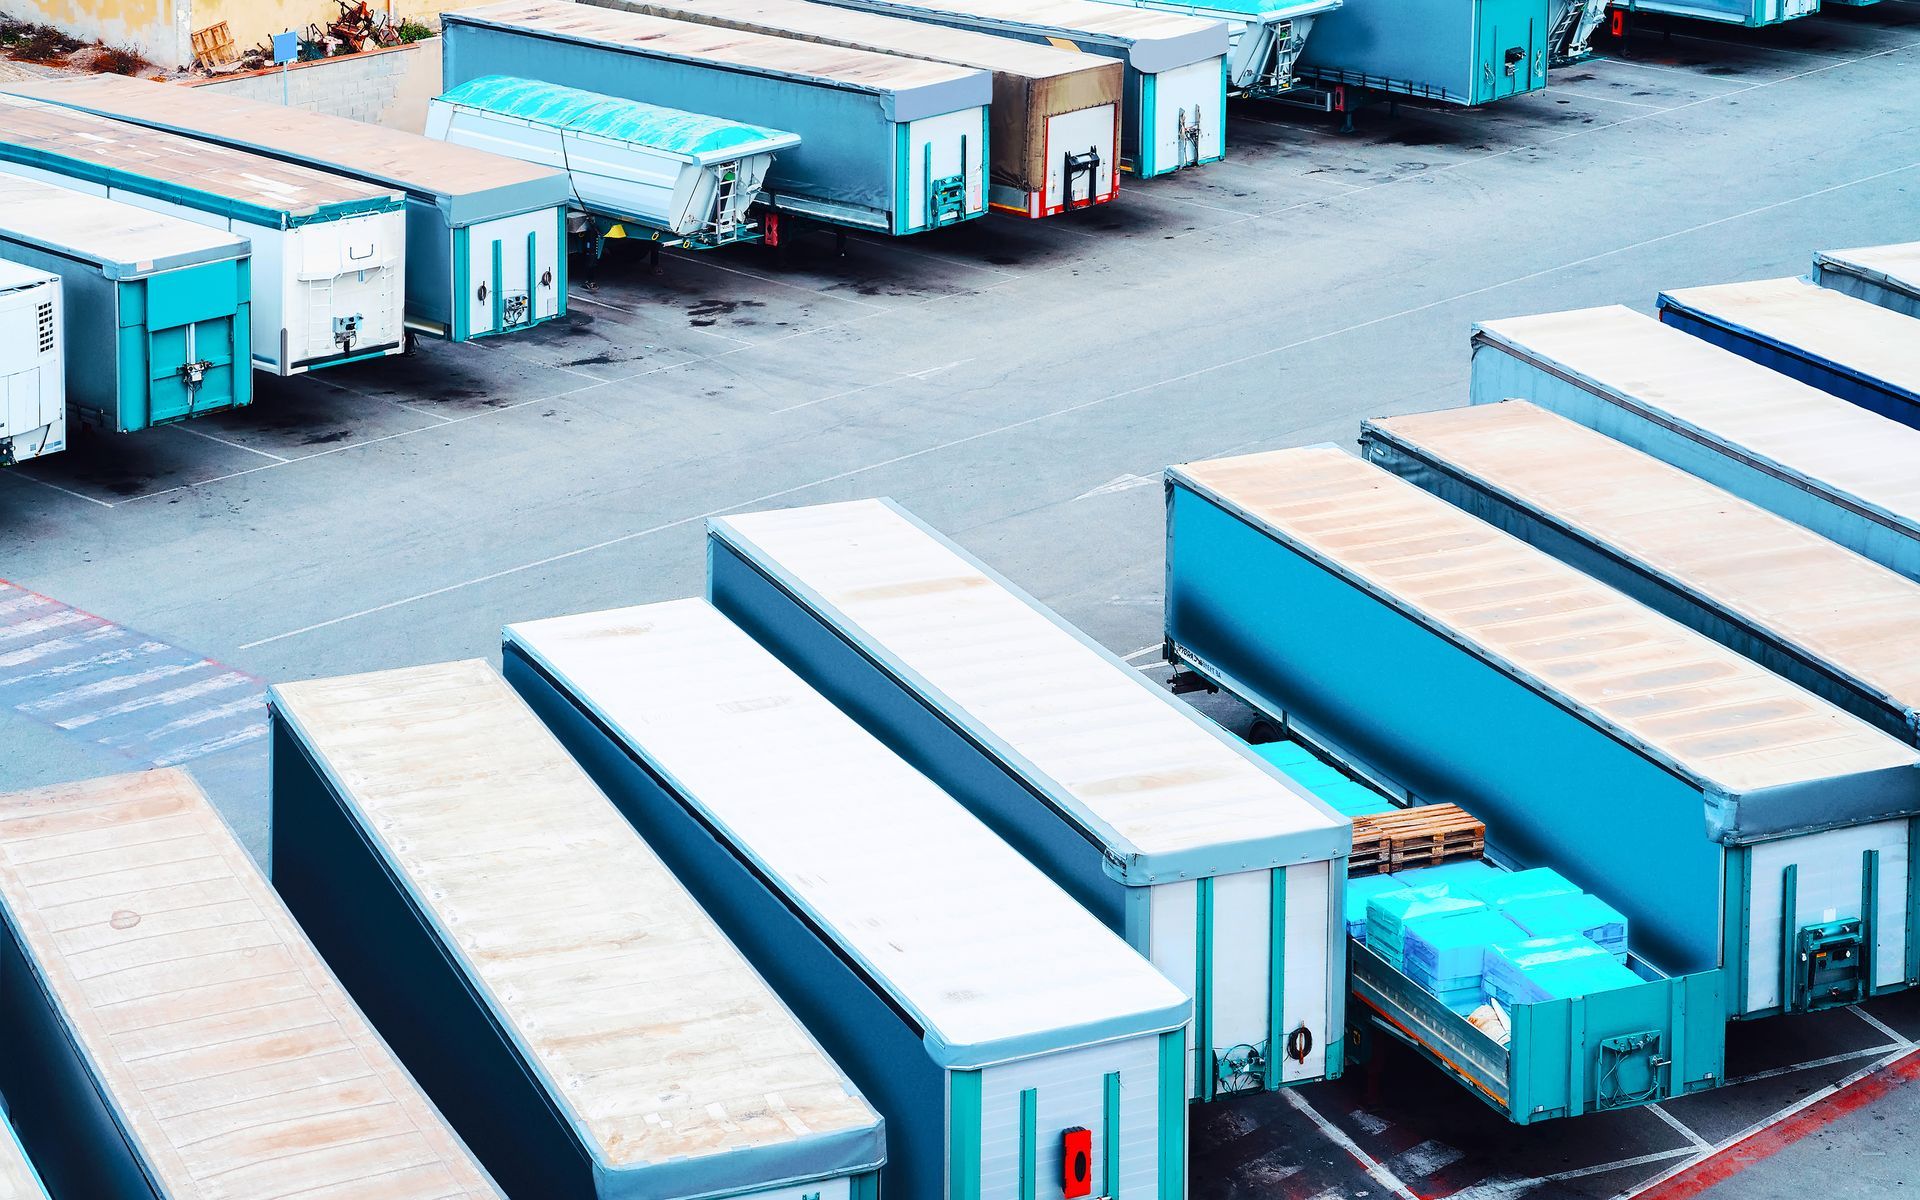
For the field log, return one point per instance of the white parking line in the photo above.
(1673, 1122)
(1385, 1178)
(1893, 1034)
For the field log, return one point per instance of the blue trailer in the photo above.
(170, 1032)
(1009, 1040)
(1886, 275)
(1846, 347)
(1710, 560)
(1837, 469)
(1749, 13)
(893, 145)
(584, 1025)
(1738, 821)
(1204, 858)
(1264, 37)
(1460, 52)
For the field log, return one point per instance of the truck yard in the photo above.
(1019, 385)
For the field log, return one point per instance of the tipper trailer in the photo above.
(893, 145)
(171, 1032)
(1835, 468)
(328, 261)
(1205, 859)
(1886, 275)
(1846, 347)
(486, 235)
(33, 405)
(160, 309)
(1739, 822)
(1453, 52)
(1053, 127)
(1010, 1041)
(584, 1025)
(1839, 625)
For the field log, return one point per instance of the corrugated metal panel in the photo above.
(124, 241)
(1887, 275)
(1070, 1089)
(225, 1050)
(1168, 794)
(1859, 627)
(1688, 703)
(641, 1021)
(1155, 41)
(692, 134)
(992, 960)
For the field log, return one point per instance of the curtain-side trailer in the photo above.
(1885, 275)
(582, 1023)
(162, 306)
(486, 235)
(1054, 125)
(1841, 471)
(1174, 102)
(887, 144)
(1850, 348)
(171, 1032)
(328, 253)
(1442, 50)
(1010, 1041)
(1264, 37)
(1710, 560)
(1738, 821)
(33, 406)
(1204, 858)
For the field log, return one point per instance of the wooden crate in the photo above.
(1422, 836)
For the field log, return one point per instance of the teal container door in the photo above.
(1513, 52)
(191, 369)
(183, 344)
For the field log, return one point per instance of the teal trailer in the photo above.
(1841, 471)
(1749, 13)
(157, 309)
(1886, 275)
(1460, 52)
(486, 235)
(1739, 822)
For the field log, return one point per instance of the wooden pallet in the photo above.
(1423, 836)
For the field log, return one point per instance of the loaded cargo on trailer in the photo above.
(1204, 859)
(1010, 1041)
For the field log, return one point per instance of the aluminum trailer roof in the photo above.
(15, 277)
(1849, 457)
(1237, 10)
(1859, 624)
(679, 1053)
(1895, 268)
(1780, 756)
(916, 88)
(124, 241)
(1851, 338)
(1155, 41)
(1168, 794)
(989, 957)
(694, 136)
(218, 1040)
(18, 1180)
(250, 187)
(467, 185)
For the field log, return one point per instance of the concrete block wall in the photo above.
(386, 87)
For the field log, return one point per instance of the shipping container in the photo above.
(1444, 50)
(1009, 1040)
(327, 262)
(1886, 275)
(170, 1031)
(1054, 124)
(1739, 821)
(1751, 13)
(1264, 37)
(1169, 830)
(1712, 561)
(1850, 348)
(163, 306)
(635, 170)
(18, 1179)
(581, 1022)
(1174, 98)
(33, 404)
(887, 144)
(486, 235)
(1839, 470)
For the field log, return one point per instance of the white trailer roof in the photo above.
(1859, 456)
(1167, 793)
(124, 241)
(250, 186)
(470, 185)
(1860, 621)
(1155, 41)
(215, 1034)
(1684, 700)
(1853, 336)
(990, 957)
(1896, 266)
(18, 1180)
(647, 1027)
(15, 277)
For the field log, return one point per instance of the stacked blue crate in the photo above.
(1445, 953)
(1580, 913)
(1554, 968)
(1388, 913)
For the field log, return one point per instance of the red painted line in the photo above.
(1762, 1144)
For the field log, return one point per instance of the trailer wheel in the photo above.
(1262, 731)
